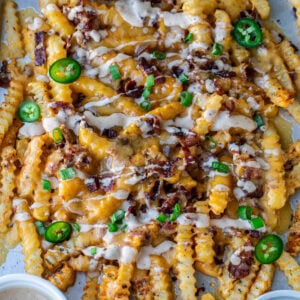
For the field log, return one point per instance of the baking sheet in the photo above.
(283, 15)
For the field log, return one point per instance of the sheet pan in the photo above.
(283, 15)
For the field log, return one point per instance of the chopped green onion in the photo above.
(161, 218)
(183, 78)
(68, 173)
(40, 227)
(186, 98)
(46, 184)
(257, 223)
(176, 213)
(76, 226)
(189, 38)
(217, 49)
(57, 135)
(93, 251)
(146, 93)
(123, 227)
(220, 167)
(245, 212)
(211, 143)
(112, 227)
(150, 81)
(146, 105)
(259, 120)
(158, 55)
(118, 216)
(115, 72)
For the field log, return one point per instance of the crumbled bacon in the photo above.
(132, 90)
(177, 71)
(60, 105)
(188, 138)
(100, 182)
(258, 193)
(76, 156)
(241, 268)
(168, 204)
(168, 228)
(110, 133)
(40, 48)
(189, 158)
(250, 173)
(226, 74)
(162, 168)
(5, 76)
(150, 126)
(146, 67)
(159, 80)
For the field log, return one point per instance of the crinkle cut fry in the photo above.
(8, 168)
(108, 278)
(296, 5)
(58, 21)
(292, 60)
(279, 68)
(30, 174)
(184, 262)
(223, 29)
(63, 278)
(141, 285)
(30, 242)
(160, 278)
(290, 268)
(13, 29)
(262, 7)
(8, 108)
(55, 50)
(241, 287)
(293, 241)
(275, 183)
(90, 290)
(262, 282)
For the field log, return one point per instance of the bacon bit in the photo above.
(162, 168)
(132, 90)
(229, 105)
(5, 76)
(75, 155)
(168, 204)
(188, 157)
(86, 21)
(251, 173)
(241, 270)
(247, 73)
(58, 105)
(150, 126)
(100, 182)
(40, 48)
(110, 133)
(146, 67)
(168, 228)
(226, 74)
(188, 138)
(258, 193)
(159, 80)
(177, 71)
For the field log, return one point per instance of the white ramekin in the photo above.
(280, 295)
(34, 283)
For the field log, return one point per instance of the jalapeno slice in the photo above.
(29, 111)
(65, 70)
(268, 249)
(247, 33)
(58, 232)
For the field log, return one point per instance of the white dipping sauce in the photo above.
(22, 294)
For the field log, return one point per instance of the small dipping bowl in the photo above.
(280, 295)
(28, 287)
